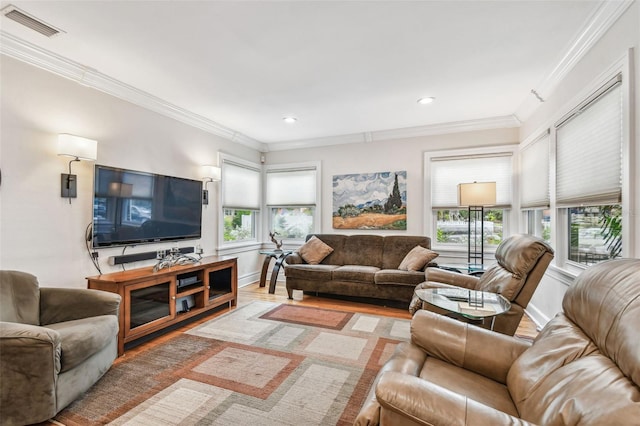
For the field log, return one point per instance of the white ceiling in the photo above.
(340, 67)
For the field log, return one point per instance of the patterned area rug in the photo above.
(264, 363)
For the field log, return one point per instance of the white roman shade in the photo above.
(448, 172)
(534, 176)
(240, 186)
(589, 150)
(291, 187)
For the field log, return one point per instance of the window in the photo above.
(534, 186)
(595, 233)
(241, 185)
(291, 194)
(239, 225)
(588, 144)
(539, 223)
(446, 172)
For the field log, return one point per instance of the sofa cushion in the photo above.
(417, 259)
(19, 298)
(336, 242)
(363, 250)
(82, 338)
(314, 251)
(398, 277)
(309, 272)
(396, 248)
(359, 273)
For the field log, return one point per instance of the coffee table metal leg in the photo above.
(265, 267)
(274, 274)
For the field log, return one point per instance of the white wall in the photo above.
(40, 232)
(391, 155)
(613, 46)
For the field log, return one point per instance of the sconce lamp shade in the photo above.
(211, 173)
(75, 146)
(477, 194)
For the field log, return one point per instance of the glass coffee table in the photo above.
(475, 305)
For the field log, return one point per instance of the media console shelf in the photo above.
(152, 301)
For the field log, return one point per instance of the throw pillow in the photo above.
(314, 251)
(417, 258)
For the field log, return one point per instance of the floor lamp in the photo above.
(476, 196)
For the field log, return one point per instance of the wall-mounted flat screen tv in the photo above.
(131, 207)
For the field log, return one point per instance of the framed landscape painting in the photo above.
(370, 201)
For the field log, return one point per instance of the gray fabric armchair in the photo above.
(55, 343)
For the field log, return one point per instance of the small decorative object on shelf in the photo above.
(273, 239)
(175, 258)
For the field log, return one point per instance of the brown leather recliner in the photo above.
(521, 262)
(582, 369)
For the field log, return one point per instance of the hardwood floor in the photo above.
(253, 292)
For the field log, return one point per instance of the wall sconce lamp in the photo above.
(80, 149)
(211, 174)
(476, 196)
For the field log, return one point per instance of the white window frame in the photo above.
(509, 216)
(247, 244)
(559, 216)
(317, 165)
(561, 224)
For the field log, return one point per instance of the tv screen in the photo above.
(131, 207)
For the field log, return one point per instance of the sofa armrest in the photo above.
(67, 304)
(30, 364)
(452, 278)
(426, 403)
(294, 259)
(474, 348)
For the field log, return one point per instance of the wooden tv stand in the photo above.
(152, 301)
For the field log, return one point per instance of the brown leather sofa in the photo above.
(521, 262)
(582, 369)
(360, 266)
(55, 343)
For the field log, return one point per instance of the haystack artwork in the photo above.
(370, 201)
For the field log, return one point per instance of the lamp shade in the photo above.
(212, 172)
(476, 194)
(75, 146)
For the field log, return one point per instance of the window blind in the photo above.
(291, 187)
(589, 150)
(240, 186)
(448, 172)
(534, 176)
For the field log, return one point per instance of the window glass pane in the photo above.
(239, 225)
(595, 233)
(292, 222)
(452, 226)
(539, 223)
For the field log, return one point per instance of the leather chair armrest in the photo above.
(67, 304)
(29, 366)
(451, 278)
(426, 403)
(294, 259)
(474, 348)
(407, 359)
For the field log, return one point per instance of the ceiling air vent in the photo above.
(29, 21)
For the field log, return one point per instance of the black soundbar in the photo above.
(136, 257)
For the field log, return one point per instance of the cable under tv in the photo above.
(187, 281)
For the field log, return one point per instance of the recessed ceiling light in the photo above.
(425, 101)
(290, 120)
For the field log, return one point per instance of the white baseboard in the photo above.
(538, 318)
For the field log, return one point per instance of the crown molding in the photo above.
(600, 21)
(22, 50)
(504, 122)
